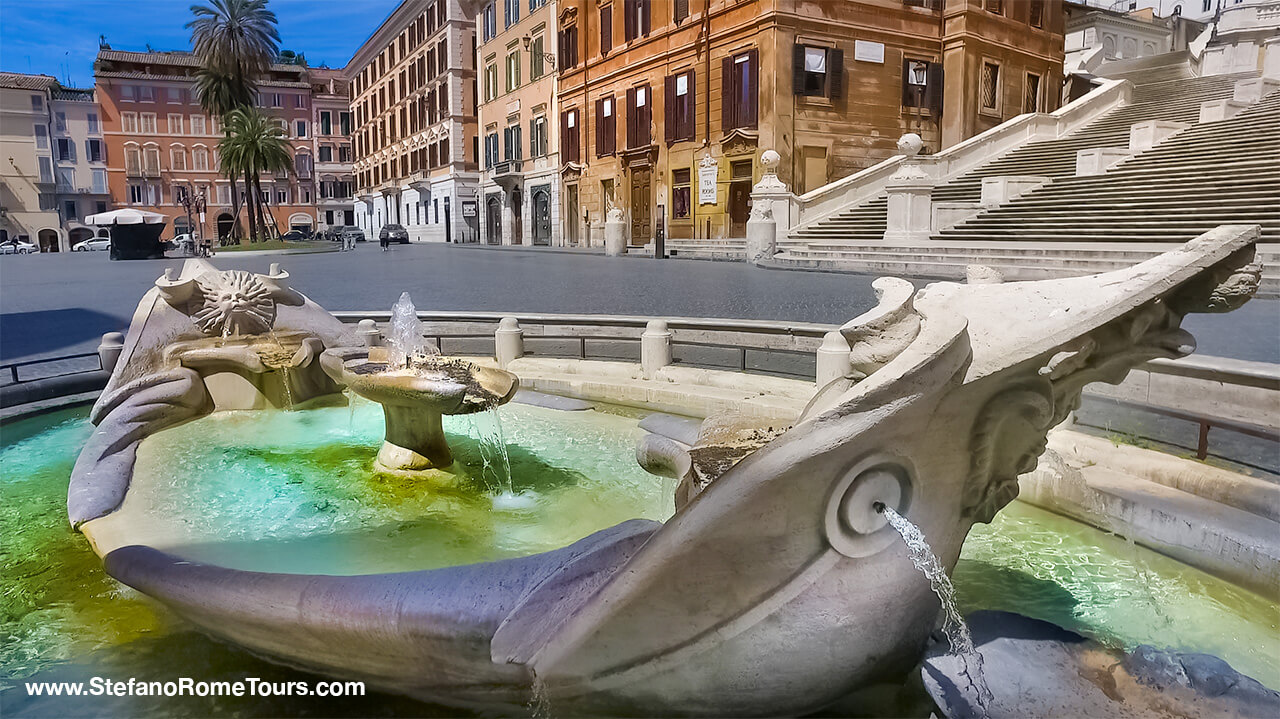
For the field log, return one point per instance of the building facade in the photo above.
(27, 206)
(161, 147)
(666, 107)
(518, 121)
(1095, 35)
(80, 161)
(332, 128)
(414, 105)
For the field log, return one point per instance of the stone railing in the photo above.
(1246, 16)
(960, 158)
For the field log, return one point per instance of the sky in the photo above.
(60, 37)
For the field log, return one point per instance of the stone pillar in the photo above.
(508, 341)
(615, 233)
(655, 347)
(834, 361)
(368, 331)
(770, 211)
(109, 350)
(909, 218)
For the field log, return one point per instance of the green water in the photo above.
(64, 619)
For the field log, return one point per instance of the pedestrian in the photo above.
(384, 239)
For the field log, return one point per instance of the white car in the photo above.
(92, 244)
(16, 247)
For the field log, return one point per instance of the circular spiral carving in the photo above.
(854, 525)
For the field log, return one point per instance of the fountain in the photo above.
(416, 387)
(777, 588)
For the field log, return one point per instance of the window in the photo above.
(536, 69)
(66, 150)
(326, 153)
(135, 193)
(282, 196)
(132, 160)
(513, 71)
(99, 181)
(990, 87)
(490, 82)
(491, 150)
(42, 137)
(818, 71)
(639, 117)
(46, 169)
(177, 158)
(224, 194)
(606, 127)
(197, 125)
(37, 103)
(60, 121)
(1206, 6)
(679, 10)
(66, 178)
(173, 96)
(490, 22)
(302, 163)
(568, 47)
(511, 13)
(151, 160)
(569, 151)
(128, 93)
(679, 107)
(299, 102)
(922, 85)
(680, 193)
(606, 29)
(146, 93)
(148, 123)
(538, 136)
(200, 159)
(92, 118)
(344, 123)
(302, 128)
(636, 21)
(180, 194)
(175, 124)
(69, 209)
(512, 143)
(995, 6)
(1035, 14)
(344, 153)
(326, 123)
(739, 81)
(1031, 94)
(93, 150)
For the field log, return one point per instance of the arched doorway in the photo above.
(181, 226)
(47, 240)
(541, 217)
(225, 224)
(493, 220)
(80, 234)
(301, 221)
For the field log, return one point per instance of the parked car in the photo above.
(294, 236)
(348, 231)
(394, 233)
(93, 244)
(17, 247)
(185, 243)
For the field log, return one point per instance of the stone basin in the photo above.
(414, 400)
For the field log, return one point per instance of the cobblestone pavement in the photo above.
(61, 304)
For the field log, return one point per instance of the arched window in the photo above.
(177, 157)
(199, 158)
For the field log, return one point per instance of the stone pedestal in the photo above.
(997, 191)
(109, 350)
(615, 234)
(508, 341)
(1145, 135)
(771, 208)
(833, 360)
(414, 440)
(655, 347)
(1217, 110)
(909, 218)
(1251, 91)
(762, 237)
(1097, 160)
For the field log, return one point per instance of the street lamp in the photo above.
(547, 57)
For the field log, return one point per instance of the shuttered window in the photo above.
(569, 134)
(995, 6)
(636, 18)
(606, 29)
(1035, 14)
(679, 10)
(639, 116)
(818, 71)
(606, 127)
(739, 90)
(568, 47)
(922, 85)
(678, 107)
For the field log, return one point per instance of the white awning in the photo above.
(126, 217)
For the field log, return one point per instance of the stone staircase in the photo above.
(1173, 98)
(724, 248)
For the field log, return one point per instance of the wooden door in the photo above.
(641, 206)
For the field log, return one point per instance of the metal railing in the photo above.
(10, 374)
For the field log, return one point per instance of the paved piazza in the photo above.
(61, 304)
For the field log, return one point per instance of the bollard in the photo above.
(368, 331)
(274, 269)
(110, 349)
(508, 341)
(655, 347)
(833, 358)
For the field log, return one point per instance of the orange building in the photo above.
(161, 146)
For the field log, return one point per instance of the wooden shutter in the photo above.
(689, 108)
(751, 89)
(606, 29)
(600, 128)
(726, 94)
(644, 18)
(670, 132)
(835, 72)
(681, 10)
(646, 118)
(933, 88)
(907, 95)
(797, 70)
(628, 19)
(633, 124)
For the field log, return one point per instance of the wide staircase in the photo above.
(1175, 97)
(1225, 172)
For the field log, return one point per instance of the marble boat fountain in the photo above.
(776, 588)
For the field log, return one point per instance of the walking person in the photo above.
(384, 238)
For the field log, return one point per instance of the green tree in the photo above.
(235, 42)
(254, 144)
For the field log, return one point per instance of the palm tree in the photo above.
(236, 42)
(254, 144)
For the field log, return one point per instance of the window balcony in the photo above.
(507, 172)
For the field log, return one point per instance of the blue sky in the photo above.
(60, 37)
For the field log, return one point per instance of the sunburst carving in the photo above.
(233, 302)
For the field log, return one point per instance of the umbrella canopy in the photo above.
(126, 217)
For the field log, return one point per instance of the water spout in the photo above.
(405, 337)
(953, 626)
